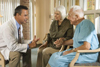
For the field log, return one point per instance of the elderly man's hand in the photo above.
(59, 42)
(33, 44)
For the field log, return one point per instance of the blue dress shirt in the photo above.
(18, 25)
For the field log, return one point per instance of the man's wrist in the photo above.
(27, 46)
(64, 39)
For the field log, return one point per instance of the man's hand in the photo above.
(33, 44)
(59, 42)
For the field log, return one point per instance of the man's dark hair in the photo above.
(19, 8)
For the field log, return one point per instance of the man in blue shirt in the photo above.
(85, 38)
(11, 39)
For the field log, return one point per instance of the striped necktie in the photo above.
(19, 35)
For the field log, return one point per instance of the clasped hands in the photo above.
(33, 43)
(59, 42)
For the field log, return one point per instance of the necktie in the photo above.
(19, 35)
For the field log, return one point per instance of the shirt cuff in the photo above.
(28, 45)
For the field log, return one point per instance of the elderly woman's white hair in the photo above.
(62, 10)
(78, 10)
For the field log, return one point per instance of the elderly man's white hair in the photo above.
(78, 10)
(62, 10)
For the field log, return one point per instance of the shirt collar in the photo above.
(17, 24)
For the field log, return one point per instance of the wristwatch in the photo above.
(64, 39)
(74, 49)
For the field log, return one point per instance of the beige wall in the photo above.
(42, 18)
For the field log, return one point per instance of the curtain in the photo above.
(7, 9)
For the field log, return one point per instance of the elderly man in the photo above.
(85, 38)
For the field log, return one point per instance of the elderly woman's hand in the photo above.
(59, 42)
(43, 45)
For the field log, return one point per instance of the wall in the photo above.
(42, 18)
(26, 26)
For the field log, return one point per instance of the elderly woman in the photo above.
(85, 38)
(60, 28)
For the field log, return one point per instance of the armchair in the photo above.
(2, 61)
(62, 47)
(95, 64)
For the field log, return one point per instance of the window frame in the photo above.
(7, 9)
(94, 12)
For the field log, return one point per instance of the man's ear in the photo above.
(17, 14)
(76, 17)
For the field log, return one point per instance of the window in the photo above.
(97, 24)
(7, 9)
(91, 10)
(90, 17)
(89, 4)
(66, 3)
(76, 2)
(33, 17)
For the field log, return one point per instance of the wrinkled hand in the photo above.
(43, 45)
(59, 42)
(67, 52)
(33, 44)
